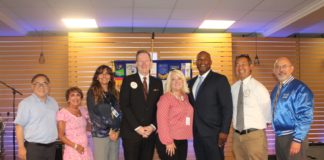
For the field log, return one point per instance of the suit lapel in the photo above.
(204, 83)
(150, 91)
(191, 87)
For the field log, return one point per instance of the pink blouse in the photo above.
(174, 118)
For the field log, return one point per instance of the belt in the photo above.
(41, 144)
(245, 131)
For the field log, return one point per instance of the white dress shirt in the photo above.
(257, 104)
(194, 87)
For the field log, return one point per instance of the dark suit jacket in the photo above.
(213, 106)
(137, 111)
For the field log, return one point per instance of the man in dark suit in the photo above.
(210, 95)
(139, 95)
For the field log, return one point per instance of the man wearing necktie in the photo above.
(210, 95)
(139, 95)
(251, 113)
(292, 106)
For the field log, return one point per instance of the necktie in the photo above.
(240, 109)
(145, 87)
(277, 97)
(200, 78)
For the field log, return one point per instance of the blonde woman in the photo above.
(174, 118)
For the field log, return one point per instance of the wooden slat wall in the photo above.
(89, 50)
(19, 62)
(311, 72)
(71, 61)
(307, 56)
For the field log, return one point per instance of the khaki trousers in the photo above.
(250, 146)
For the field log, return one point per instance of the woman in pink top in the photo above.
(174, 118)
(72, 127)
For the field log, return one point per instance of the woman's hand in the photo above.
(170, 149)
(113, 135)
(79, 148)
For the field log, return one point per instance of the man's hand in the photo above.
(148, 130)
(294, 148)
(222, 139)
(170, 149)
(22, 153)
(140, 130)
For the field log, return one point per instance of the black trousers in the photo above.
(37, 151)
(206, 148)
(142, 149)
(180, 152)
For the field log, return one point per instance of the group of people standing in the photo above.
(146, 117)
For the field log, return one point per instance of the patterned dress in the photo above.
(75, 131)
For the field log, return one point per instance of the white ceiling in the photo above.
(270, 18)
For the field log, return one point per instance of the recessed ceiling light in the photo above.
(80, 23)
(216, 24)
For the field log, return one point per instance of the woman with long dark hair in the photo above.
(104, 112)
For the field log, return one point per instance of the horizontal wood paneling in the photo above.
(89, 50)
(19, 62)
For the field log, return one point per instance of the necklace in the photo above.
(180, 98)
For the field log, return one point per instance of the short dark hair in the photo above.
(144, 52)
(244, 56)
(40, 75)
(73, 89)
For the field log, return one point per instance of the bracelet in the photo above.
(75, 146)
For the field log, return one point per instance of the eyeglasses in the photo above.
(38, 84)
(277, 67)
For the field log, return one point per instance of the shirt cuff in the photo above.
(154, 128)
(297, 140)
(137, 128)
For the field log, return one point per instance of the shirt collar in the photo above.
(38, 99)
(142, 76)
(205, 74)
(246, 80)
(285, 82)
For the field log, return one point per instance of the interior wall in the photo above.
(71, 61)
(19, 61)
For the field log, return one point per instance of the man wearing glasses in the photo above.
(292, 105)
(36, 129)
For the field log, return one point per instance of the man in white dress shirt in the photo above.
(251, 113)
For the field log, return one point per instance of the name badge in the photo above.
(187, 121)
(114, 112)
(285, 96)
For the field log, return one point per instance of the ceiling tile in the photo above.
(154, 4)
(112, 4)
(261, 16)
(227, 14)
(150, 22)
(238, 4)
(195, 4)
(187, 14)
(25, 3)
(151, 13)
(278, 5)
(183, 23)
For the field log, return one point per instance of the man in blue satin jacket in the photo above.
(292, 106)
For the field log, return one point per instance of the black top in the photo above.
(104, 115)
